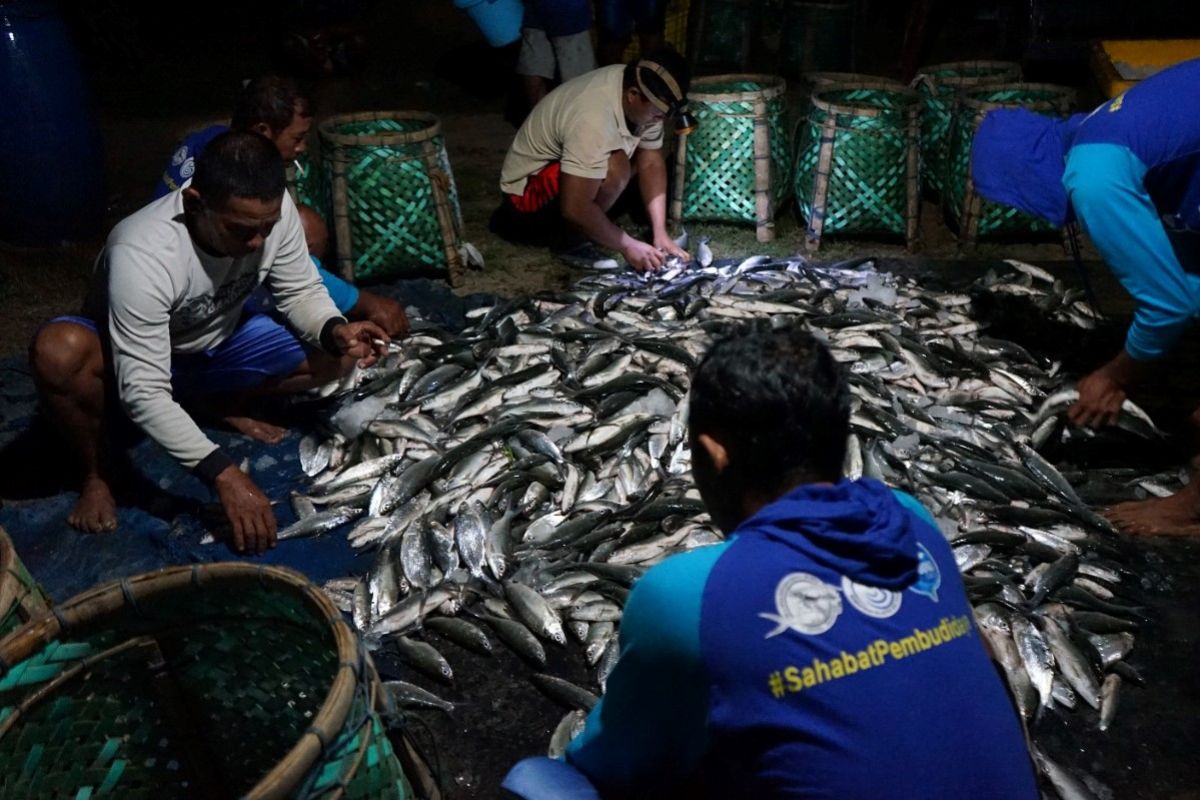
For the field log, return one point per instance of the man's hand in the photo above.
(365, 341)
(1102, 393)
(1099, 403)
(383, 311)
(642, 257)
(664, 242)
(249, 511)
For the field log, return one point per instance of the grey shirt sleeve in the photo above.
(295, 285)
(139, 308)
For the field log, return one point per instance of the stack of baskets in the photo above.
(220, 680)
(857, 156)
(395, 205)
(973, 215)
(734, 167)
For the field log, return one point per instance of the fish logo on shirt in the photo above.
(805, 604)
(929, 576)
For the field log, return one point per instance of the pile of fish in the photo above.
(514, 479)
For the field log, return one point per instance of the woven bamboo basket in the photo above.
(815, 36)
(734, 166)
(395, 204)
(21, 598)
(856, 170)
(221, 680)
(973, 215)
(938, 84)
(816, 81)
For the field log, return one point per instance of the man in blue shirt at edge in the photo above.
(275, 107)
(826, 649)
(1130, 173)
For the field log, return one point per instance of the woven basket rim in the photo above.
(826, 77)
(99, 603)
(831, 107)
(1068, 93)
(329, 133)
(929, 74)
(772, 86)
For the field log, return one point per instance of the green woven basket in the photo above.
(856, 168)
(938, 84)
(734, 166)
(221, 680)
(973, 215)
(21, 598)
(395, 206)
(815, 36)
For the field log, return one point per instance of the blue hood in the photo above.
(1018, 159)
(857, 528)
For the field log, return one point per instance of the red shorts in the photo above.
(540, 188)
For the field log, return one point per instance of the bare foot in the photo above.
(96, 510)
(1177, 515)
(256, 429)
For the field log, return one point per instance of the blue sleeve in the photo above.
(183, 161)
(914, 505)
(343, 293)
(650, 728)
(1104, 182)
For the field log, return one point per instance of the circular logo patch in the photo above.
(874, 601)
(804, 603)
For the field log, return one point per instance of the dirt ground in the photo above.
(146, 98)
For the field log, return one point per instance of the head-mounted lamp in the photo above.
(677, 107)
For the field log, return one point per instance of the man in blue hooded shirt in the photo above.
(1130, 173)
(826, 649)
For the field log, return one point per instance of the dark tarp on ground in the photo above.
(166, 524)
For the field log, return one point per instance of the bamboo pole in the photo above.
(341, 215)
(441, 204)
(763, 212)
(816, 217)
(912, 180)
(680, 177)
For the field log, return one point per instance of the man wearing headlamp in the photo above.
(579, 149)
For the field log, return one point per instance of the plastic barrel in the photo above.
(499, 20)
(51, 162)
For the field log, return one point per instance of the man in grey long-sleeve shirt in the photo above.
(165, 316)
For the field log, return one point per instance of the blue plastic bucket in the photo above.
(500, 20)
(51, 162)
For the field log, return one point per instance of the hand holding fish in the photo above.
(668, 246)
(1102, 392)
(643, 257)
(365, 341)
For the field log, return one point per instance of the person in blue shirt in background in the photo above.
(1129, 172)
(826, 649)
(275, 107)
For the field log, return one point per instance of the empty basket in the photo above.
(734, 166)
(856, 170)
(395, 205)
(222, 680)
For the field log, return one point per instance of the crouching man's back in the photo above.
(827, 648)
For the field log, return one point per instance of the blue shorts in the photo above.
(616, 18)
(259, 349)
